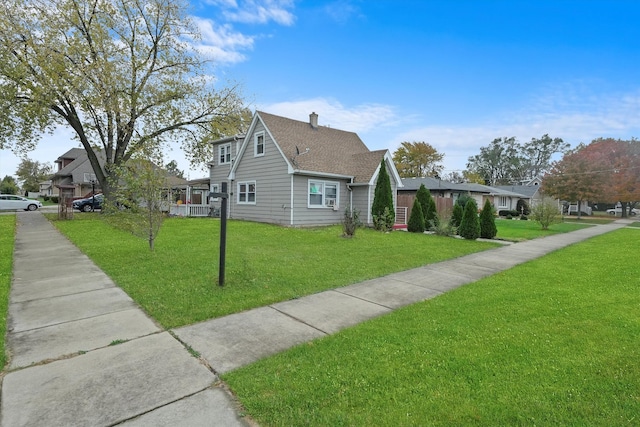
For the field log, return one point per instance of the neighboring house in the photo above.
(46, 188)
(296, 173)
(502, 198)
(74, 176)
(529, 189)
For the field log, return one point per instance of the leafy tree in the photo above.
(31, 173)
(470, 224)
(506, 161)
(456, 215)
(546, 213)
(9, 185)
(172, 169)
(575, 177)
(498, 163)
(417, 159)
(472, 177)
(416, 220)
(488, 228)
(139, 201)
(121, 74)
(382, 209)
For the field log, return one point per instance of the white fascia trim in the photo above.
(321, 174)
(291, 203)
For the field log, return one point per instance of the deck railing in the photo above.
(189, 209)
(401, 215)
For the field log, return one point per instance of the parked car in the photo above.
(618, 211)
(14, 203)
(89, 204)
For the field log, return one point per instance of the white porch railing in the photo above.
(401, 215)
(189, 209)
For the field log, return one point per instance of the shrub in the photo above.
(523, 207)
(463, 199)
(416, 220)
(523, 217)
(470, 224)
(54, 199)
(350, 222)
(444, 227)
(456, 216)
(546, 213)
(428, 206)
(382, 207)
(384, 222)
(45, 198)
(431, 217)
(488, 228)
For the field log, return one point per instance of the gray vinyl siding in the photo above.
(272, 184)
(303, 215)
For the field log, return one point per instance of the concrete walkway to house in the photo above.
(83, 353)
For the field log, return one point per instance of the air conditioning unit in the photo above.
(331, 202)
(335, 207)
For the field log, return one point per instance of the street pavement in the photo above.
(82, 353)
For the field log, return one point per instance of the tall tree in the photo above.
(574, 177)
(417, 159)
(499, 163)
(537, 154)
(122, 74)
(172, 168)
(31, 173)
(8, 185)
(382, 209)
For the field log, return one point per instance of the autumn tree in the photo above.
(31, 173)
(122, 74)
(417, 159)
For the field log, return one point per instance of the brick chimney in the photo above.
(313, 120)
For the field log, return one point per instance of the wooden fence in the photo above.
(444, 205)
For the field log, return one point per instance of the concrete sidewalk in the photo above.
(83, 353)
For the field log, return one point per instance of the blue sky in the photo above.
(455, 74)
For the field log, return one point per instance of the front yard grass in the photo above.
(177, 283)
(7, 238)
(554, 341)
(516, 230)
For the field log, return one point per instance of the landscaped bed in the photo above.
(551, 342)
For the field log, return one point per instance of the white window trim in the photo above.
(227, 154)
(247, 202)
(255, 144)
(215, 188)
(326, 204)
(502, 199)
(88, 177)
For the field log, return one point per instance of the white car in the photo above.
(13, 203)
(618, 211)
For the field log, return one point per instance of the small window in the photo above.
(224, 154)
(258, 144)
(215, 188)
(323, 194)
(247, 193)
(503, 202)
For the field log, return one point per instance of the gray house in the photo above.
(296, 173)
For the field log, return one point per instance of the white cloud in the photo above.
(257, 11)
(332, 113)
(221, 42)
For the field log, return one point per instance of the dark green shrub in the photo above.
(508, 216)
(416, 220)
(488, 228)
(523, 207)
(382, 209)
(463, 199)
(470, 224)
(54, 199)
(431, 217)
(427, 204)
(456, 215)
(524, 217)
(45, 198)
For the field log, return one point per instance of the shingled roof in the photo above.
(322, 149)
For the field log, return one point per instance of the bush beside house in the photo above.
(470, 224)
(416, 220)
(488, 229)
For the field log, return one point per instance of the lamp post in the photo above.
(224, 195)
(93, 194)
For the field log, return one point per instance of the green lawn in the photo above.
(177, 283)
(7, 237)
(555, 341)
(517, 230)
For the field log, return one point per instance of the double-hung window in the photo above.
(323, 194)
(224, 154)
(503, 202)
(247, 193)
(258, 144)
